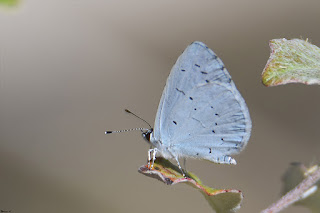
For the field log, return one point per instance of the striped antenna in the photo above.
(133, 129)
(125, 130)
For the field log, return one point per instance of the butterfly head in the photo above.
(147, 134)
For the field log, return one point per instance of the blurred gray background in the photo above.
(68, 69)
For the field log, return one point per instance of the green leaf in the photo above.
(294, 175)
(292, 61)
(9, 3)
(221, 200)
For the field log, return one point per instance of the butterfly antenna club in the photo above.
(128, 111)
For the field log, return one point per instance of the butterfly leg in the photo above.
(153, 151)
(149, 157)
(184, 175)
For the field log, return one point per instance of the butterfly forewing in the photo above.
(197, 64)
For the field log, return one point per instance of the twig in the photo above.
(295, 194)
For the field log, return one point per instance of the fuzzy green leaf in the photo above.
(292, 61)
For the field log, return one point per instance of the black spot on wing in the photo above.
(197, 65)
(180, 91)
(175, 122)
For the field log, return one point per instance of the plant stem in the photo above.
(295, 194)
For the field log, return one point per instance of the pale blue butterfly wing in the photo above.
(201, 113)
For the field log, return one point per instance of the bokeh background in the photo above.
(68, 69)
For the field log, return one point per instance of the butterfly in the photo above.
(201, 113)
